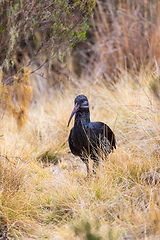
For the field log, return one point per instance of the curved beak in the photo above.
(75, 109)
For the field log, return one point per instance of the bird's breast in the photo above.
(80, 138)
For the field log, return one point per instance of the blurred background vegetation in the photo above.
(50, 51)
(52, 41)
(123, 35)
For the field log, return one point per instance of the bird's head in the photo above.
(81, 105)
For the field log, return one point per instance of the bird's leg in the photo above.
(87, 166)
(85, 160)
(95, 165)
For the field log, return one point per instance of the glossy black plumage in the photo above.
(89, 139)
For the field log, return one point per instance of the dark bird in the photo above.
(89, 139)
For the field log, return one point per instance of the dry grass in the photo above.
(44, 193)
(124, 35)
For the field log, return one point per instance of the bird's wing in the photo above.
(107, 135)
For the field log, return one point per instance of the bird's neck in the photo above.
(82, 119)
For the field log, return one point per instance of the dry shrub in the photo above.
(43, 28)
(33, 33)
(16, 98)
